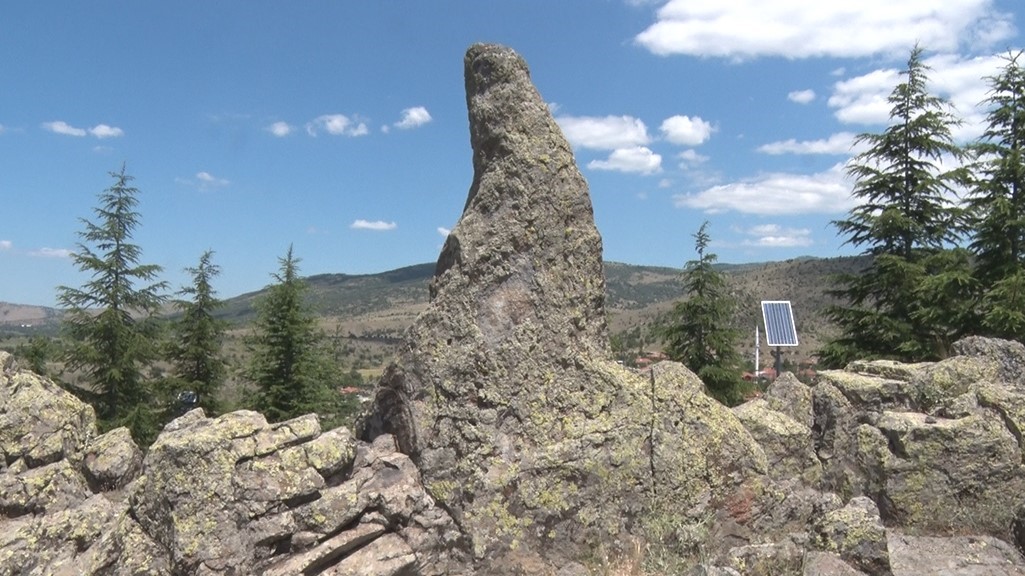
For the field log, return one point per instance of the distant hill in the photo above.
(379, 307)
(19, 315)
(638, 295)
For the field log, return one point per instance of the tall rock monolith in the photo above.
(506, 396)
(515, 324)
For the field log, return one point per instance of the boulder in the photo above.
(285, 499)
(54, 543)
(943, 473)
(229, 495)
(827, 564)
(787, 443)
(40, 423)
(111, 460)
(49, 514)
(911, 437)
(855, 532)
(792, 397)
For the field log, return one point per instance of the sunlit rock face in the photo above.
(506, 397)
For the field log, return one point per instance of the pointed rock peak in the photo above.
(527, 238)
(509, 359)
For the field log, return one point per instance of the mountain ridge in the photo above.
(381, 305)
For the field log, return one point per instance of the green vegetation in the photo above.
(121, 350)
(37, 352)
(907, 303)
(699, 332)
(195, 351)
(110, 322)
(923, 289)
(997, 206)
(290, 362)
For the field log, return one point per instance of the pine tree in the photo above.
(37, 352)
(195, 352)
(289, 365)
(997, 205)
(700, 332)
(904, 222)
(112, 335)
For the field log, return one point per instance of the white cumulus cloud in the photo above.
(99, 131)
(336, 125)
(862, 99)
(6, 244)
(686, 131)
(827, 192)
(51, 253)
(776, 236)
(960, 80)
(209, 180)
(801, 96)
(62, 127)
(604, 133)
(379, 225)
(204, 180)
(444, 231)
(741, 29)
(840, 143)
(280, 129)
(103, 131)
(637, 159)
(413, 118)
(690, 158)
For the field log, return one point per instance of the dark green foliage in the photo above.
(905, 222)
(700, 332)
(112, 334)
(36, 353)
(903, 190)
(997, 204)
(1003, 307)
(290, 363)
(195, 351)
(947, 302)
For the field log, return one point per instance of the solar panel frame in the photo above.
(778, 317)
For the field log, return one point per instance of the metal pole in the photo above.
(758, 350)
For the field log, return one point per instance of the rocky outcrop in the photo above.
(506, 397)
(228, 495)
(505, 441)
(931, 448)
(937, 445)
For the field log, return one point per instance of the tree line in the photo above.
(115, 334)
(943, 226)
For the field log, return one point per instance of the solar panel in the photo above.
(779, 323)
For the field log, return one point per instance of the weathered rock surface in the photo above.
(855, 532)
(507, 398)
(937, 445)
(787, 442)
(932, 447)
(954, 556)
(228, 495)
(504, 441)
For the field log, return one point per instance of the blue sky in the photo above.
(341, 127)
